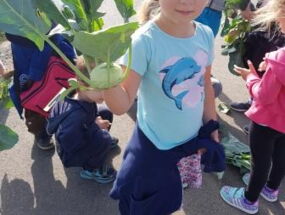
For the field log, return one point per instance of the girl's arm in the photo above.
(264, 90)
(120, 98)
(209, 103)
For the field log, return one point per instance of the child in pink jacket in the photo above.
(267, 130)
(266, 136)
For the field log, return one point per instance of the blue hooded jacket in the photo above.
(80, 141)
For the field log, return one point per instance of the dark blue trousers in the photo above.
(149, 183)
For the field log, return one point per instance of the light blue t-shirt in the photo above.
(171, 93)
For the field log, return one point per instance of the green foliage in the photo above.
(236, 4)
(5, 100)
(79, 18)
(234, 31)
(24, 20)
(109, 44)
(81, 21)
(8, 138)
(126, 8)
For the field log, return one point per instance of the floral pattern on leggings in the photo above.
(190, 171)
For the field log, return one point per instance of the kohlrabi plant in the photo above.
(81, 21)
(234, 32)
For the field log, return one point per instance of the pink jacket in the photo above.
(268, 93)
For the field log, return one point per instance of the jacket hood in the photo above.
(64, 108)
(276, 62)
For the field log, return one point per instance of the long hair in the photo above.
(267, 15)
(148, 10)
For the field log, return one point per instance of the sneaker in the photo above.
(235, 197)
(44, 143)
(104, 175)
(246, 129)
(267, 193)
(240, 106)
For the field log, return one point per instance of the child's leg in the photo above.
(278, 164)
(36, 125)
(262, 140)
(148, 181)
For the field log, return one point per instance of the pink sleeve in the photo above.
(263, 90)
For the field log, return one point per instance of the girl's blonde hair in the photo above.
(267, 15)
(148, 10)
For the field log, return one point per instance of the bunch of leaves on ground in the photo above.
(234, 31)
(237, 153)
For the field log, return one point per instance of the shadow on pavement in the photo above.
(3, 115)
(74, 196)
(71, 195)
(16, 197)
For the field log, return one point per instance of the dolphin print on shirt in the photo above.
(184, 69)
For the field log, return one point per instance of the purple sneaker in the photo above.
(235, 197)
(267, 193)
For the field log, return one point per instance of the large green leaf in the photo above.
(77, 8)
(53, 8)
(91, 8)
(94, 17)
(8, 138)
(20, 17)
(105, 45)
(126, 8)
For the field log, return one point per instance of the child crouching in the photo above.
(82, 137)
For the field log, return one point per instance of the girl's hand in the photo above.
(102, 123)
(262, 66)
(243, 71)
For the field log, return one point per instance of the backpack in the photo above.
(43, 94)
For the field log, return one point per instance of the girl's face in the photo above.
(181, 11)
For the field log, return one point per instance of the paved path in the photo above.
(34, 182)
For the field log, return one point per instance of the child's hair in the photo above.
(148, 10)
(266, 16)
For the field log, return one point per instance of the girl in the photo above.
(172, 56)
(267, 131)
